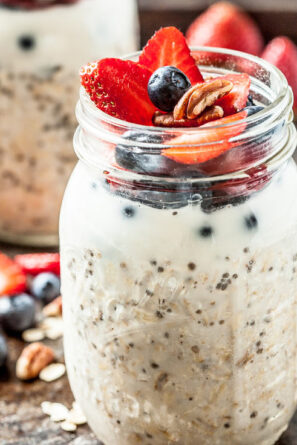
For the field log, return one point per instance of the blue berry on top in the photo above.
(17, 313)
(166, 86)
(46, 287)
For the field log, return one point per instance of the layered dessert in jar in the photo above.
(178, 248)
(41, 49)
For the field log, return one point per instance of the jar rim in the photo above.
(281, 102)
(258, 137)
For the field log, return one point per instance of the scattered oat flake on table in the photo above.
(59, 412)
(68, 426)
(52, 372)
(76, 416)
(31, 335)
(46, 407)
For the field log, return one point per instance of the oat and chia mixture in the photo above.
(41, 51)
(181, 324)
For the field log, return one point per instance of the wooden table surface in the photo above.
(22, 421)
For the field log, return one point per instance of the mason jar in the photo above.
(179, 282)
(42, 46)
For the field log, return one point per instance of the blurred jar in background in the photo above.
(42, 45)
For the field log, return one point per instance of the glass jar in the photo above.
(42, 45)
(179, 283)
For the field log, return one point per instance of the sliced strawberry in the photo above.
(282, 53)
(35, 263)
(226, 26)
(217, 140)
(12, 278)
(168, 46)
(237, 98)
(119, 88)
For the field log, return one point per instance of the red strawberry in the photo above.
(217, 140)
(119, 88)
(167, 47)
(12, 278)
(282, 53)
(35, 263)
(227, 26)
(237, 98)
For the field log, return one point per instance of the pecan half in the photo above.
(167, 120)
(201, 96)
(32, 360)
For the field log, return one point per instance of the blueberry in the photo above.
(26, 42)
(142, 160)
(3, 351)
(220, 199)
(166, 86)
(250, 101)
(46, 287)
(129, 212)
(206, 231)
(251, 221)
(17, 313)
(253, 109)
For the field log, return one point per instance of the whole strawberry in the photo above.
(226, 26)
(282, 53)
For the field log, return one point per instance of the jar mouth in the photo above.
(269, 88)
(281, 101)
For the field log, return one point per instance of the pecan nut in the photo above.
(201, 96)
(32, 360)
(53, 309)
(167, 120)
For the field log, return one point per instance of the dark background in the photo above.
(275, 17)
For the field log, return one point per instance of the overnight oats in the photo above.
(178, 246)
(40, 51)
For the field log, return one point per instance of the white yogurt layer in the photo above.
(172, 337)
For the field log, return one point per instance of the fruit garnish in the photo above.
(237, 98)
(12, 278)
(225, 25)
(46, 287)
(168, 47)
(17, 313)
(282, 53)
(119, 88)
(35, 263)
(217, 141)
(166, 86)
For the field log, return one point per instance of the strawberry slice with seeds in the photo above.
(35, 263)
(12, 278)
(119, 88)
(207, 143)
(237, 98)
(168, 47)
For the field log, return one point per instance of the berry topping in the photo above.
(141, 161)
(253, 109)
(282, 53)
(215, 141)
(166, 86)
(119, 88)
(26, 42)
(35, 263)
(3, 351)
(17, 313)
(237, 98)
(226, 26)
(12, 278)
(46, 287)
(168, 47)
